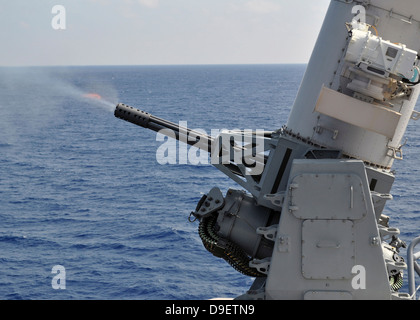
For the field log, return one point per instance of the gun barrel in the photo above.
(194, 138)
(148, 121)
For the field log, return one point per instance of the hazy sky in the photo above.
(144, 32)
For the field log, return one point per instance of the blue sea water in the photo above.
(82, 189)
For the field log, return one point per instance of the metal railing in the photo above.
(413, 267)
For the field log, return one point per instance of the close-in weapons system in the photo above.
(309, 223)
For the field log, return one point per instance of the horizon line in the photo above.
(151, 65)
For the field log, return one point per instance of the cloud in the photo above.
(262, 6)
(149, 3)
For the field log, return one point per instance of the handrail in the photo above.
(413, 267)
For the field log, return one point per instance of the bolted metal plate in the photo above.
(208, 204)
(327, 249)
(337, 197)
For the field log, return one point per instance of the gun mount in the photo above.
(310, 223)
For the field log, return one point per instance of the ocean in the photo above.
(83, 190)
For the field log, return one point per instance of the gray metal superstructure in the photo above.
(309, 223)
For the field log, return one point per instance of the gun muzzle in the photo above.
(148, 121)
